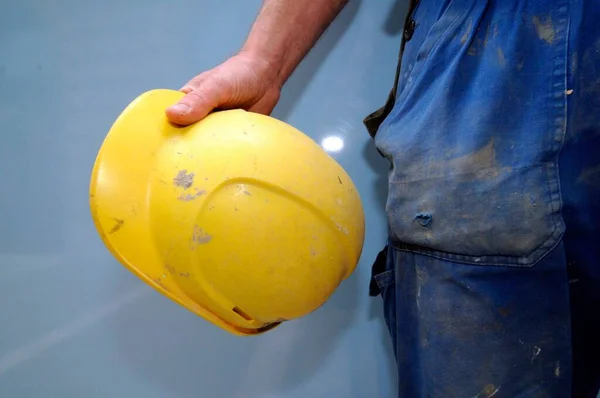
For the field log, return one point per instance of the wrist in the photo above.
(266, 63)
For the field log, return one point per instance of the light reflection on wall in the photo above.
(332, 143)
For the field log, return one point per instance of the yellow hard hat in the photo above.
(240, 218)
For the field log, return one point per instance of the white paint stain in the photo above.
(422, 277)
(536, 352)
(339, 227)
(242, 189)
(488, 391)
(343, 229)
(501, 57)
(494, 392)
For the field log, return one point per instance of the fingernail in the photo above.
(182, 109)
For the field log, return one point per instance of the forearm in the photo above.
(286, 30)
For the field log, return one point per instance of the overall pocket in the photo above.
(383, 283)
(475, 134)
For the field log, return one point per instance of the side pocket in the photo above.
(383, 283)
(381, 276)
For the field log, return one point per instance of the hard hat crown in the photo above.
(241, 218)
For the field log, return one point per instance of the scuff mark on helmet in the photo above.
(184, 179)
(118, 225)
(199, 237)
(188, 197)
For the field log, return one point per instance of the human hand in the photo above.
(243, 81)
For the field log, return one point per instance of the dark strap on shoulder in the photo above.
(373, 121)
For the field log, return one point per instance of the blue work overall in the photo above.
(491, 275)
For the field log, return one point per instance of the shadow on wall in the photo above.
(298, 81)
(393, 26)
(378, 163)
(199, 359)
(394, 23)
(295, 86)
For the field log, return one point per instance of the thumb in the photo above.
(195, 105)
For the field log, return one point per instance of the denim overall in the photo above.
(491, 275)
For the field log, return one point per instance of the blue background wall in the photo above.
(74, 322)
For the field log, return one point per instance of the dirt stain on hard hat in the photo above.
(159, 281)
(184, 179)
(118, 225)
(242, 189)
(199, 237)
(173, 271)
(188, 197)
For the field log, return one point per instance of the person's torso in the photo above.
(479, 121)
